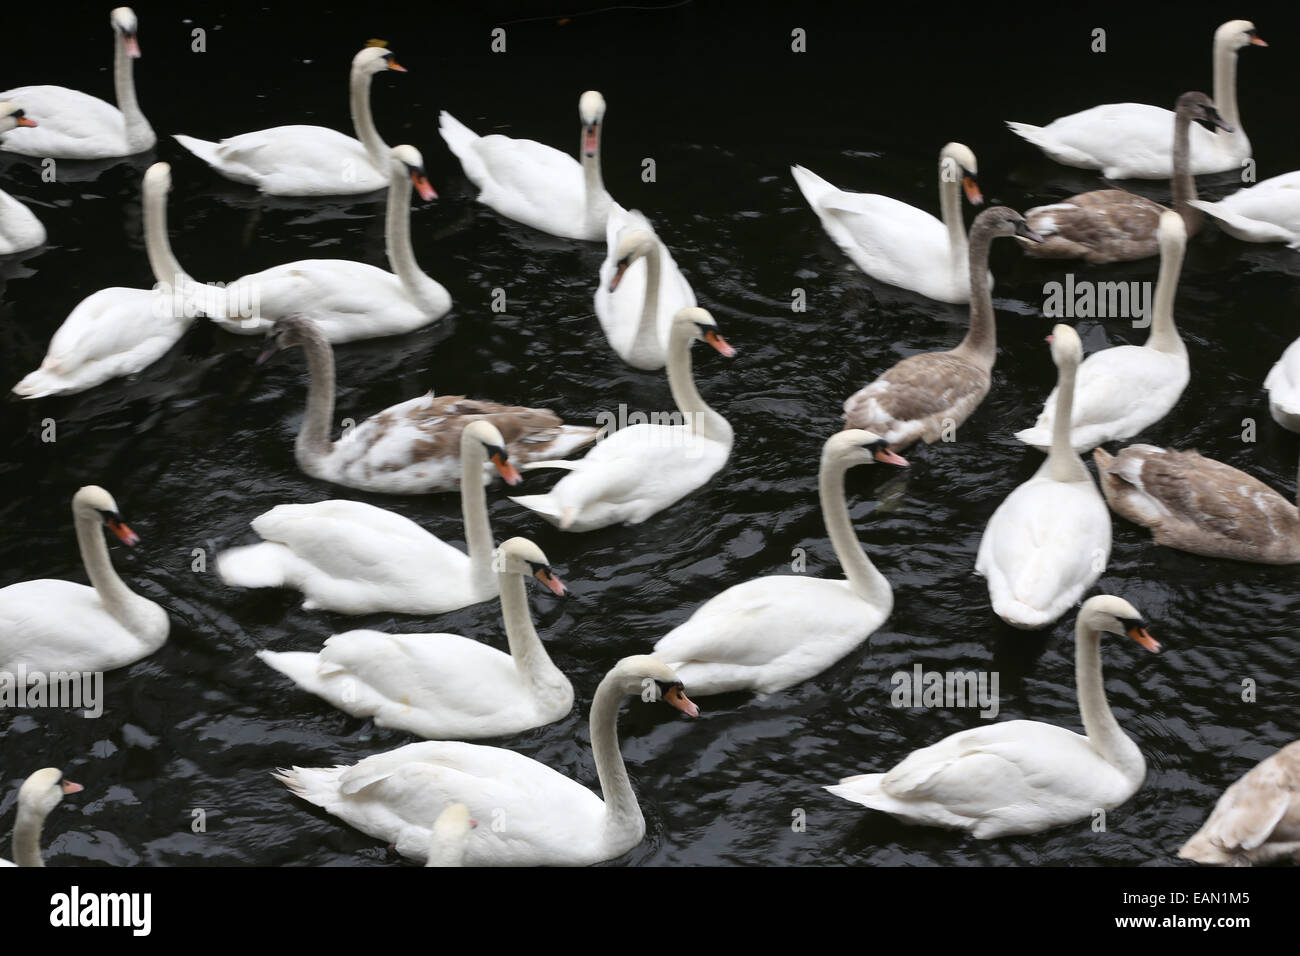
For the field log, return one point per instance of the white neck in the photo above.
(526, 649)
(362, 120)
(139, 134)
(1164, 335)
(27, 837)
(474, 512)
(167, 271)
(1099, 724)
(594, 185)
(1062, 463)
(950, 211)
(623, 820)
(647, 340)
(397, 238)
(114, 594)
(1225, 87)
(867, 583)
(703, 420)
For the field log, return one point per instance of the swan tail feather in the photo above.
(318, 785)
(259, 565)
(202, 148)
(461, 140)
(301, 667)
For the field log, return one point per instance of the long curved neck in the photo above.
(314, 435)
(474, 511)
(27, 837)
(950, 207)
(1164, 334)
(681, 382)
(397, 235)
(1062, 463)
(594, 185)
(647, 331)
(1099, 724)
(1183, 184)
(622, 812)
(167, 271)
(114, 594)
(867, 583)
(526, 648)
(139, 134)
(981, 342)
(363, 122)
(1225, 87)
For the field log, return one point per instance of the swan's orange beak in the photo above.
(714, 338)
(590, 141)
(132, 46)
(1258, 41)
(972, 190)
(125, 534)
(70, 787)
(394, 65)
(676, 696)
(891, 457)
(24, 121)
(618, 275)
(547, 577)
(421, 184)
(1139, 634)
(508, 471)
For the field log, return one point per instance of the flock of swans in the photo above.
(1041, 552)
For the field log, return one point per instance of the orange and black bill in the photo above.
(1135, 630)
(70, 787)
(421, 184)
(590, 141)
(115, 524)
(508, 471)
(676, 696)
(972, 190)
(714, 338)
(890, 457)
(547, 577)
(618, 275)
(22, 120)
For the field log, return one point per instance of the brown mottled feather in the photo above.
(914, 399)
(1257, 820)
(1106, 225)
(1214, 509)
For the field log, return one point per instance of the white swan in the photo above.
(897, 243)
(75, 125)
(348, 300)
(1124, 389)
(1022, 776)
(1266, 212)
(640, 291)
(37, 798)
(20, 230)
(638, 471)
(1283, 387)
(772, 632)
(412, 448)
(549, 819)
(53, 625)
(444, 686)
(1049, 540)
(116, 331)
(536, 184)
(450, 836)
(1257, 820)
(1135, 141)
(353, 558)
(310, 160)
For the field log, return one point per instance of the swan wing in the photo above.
(73, 125)
(296, 161)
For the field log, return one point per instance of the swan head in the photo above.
(651, 679)
(698, 324)
(1108, 614)
(11, 117)
(1066, 347)
(591, 108)
(42, 791)
(158, 177)
(957, 164)
(1171, 233)
(856, 446)
(494, 447)
(1001, 221)
(520, 556)
(94, 501)
(288, 331)
(1199, 107)
(412, 163)
(126, 25)
(632, 246)
(1236, 34)
(375, 57)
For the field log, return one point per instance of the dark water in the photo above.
(200, 443)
